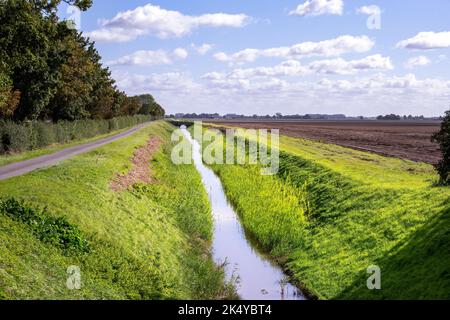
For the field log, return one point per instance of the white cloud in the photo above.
(407, 84)
(203, 49)
(427, 41)
(369, 10)
(295, 68)
(373, 95)
(155, 82)
(417, 61)
(180, 53)
(344, 67)
(319, 7)
(328, 48)
(154, 20)
(150, 58)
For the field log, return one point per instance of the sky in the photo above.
(354, 57)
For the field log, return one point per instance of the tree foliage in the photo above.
(443, 138)
(149, 106)
(50, 71)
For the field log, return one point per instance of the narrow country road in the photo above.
(23, 167)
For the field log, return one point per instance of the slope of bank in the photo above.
(332, 212)
(149, 241)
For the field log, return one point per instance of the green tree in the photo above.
(443, 138)
(130, 105)
(149, 106)
(156, 111)
(74, 90)
(9, 98)
(27, 48)
(50, 71)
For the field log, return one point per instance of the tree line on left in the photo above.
(49, 71)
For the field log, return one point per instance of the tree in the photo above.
(443, 138)
(129, 106)
(50, 71)
(149, 106)
(9, 98)
(75, 87)
(51, 6)
(27, 47)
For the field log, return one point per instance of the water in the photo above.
(259, 277)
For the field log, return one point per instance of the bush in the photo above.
(56, 231)
(443, 138)
(19, 137)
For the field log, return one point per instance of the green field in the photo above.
(329, 214)
(332, 212)
(150, 242)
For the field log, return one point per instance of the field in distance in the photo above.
(401, 139)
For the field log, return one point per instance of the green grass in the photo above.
(332, 212)
(150, 242)
(6, 159)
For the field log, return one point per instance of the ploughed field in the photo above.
(402, 139)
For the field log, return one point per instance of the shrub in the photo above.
(56, 231)
(19, 137)
(45, 134)
(443, 138)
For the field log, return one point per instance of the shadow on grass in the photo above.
(418, 269)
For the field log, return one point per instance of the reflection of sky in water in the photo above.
(259, 279)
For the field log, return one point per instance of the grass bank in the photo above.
(332, 212)
(6, 159)
(34, 135)
(149, 242)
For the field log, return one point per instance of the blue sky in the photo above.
(306, 56)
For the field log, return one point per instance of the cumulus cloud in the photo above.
(395, 84)
(369, 10)
(344, 67)
(370, 95)
(154, 20)
(295, 68)
(150, 58)
(155, 82)
(327, 48)
(427, 41)
(417, 61)
(203, 49)
(180, 53)
(319, 7)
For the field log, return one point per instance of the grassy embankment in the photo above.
(6, 159)
(148, 242)
(39, 138)
(332, 212)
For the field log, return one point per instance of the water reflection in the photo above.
(259, 278)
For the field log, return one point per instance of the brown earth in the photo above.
(402, 139)
(140, 171)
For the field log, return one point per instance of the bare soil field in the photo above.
(402, 139)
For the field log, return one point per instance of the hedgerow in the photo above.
(19, 137)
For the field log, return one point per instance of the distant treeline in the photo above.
(410, 117)
(240, 116)
(280, 116)
(49, 71)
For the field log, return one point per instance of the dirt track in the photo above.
(402, 139)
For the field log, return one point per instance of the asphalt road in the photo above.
(23, 167)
